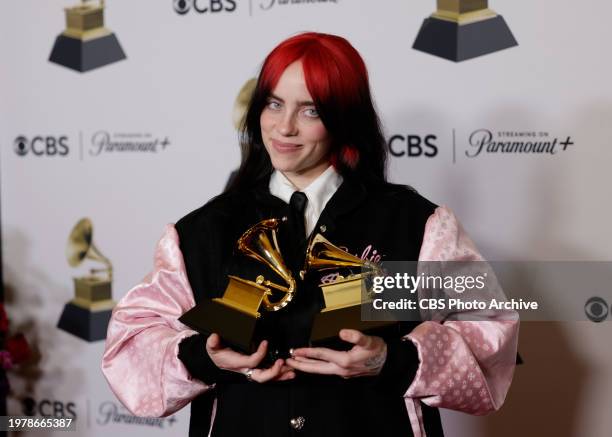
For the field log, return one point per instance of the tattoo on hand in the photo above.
(376, 362)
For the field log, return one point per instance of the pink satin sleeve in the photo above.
(140, 360)
(464, 365)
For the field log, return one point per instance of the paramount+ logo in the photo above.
(183, 7)
(41, 146)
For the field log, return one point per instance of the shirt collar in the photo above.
(318, 192)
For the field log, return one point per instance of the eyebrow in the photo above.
(300, 103)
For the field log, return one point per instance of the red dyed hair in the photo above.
(337, 79)
(334, 72)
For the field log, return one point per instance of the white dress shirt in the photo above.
(318, 193)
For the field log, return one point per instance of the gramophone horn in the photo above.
(80, 246)
(256, 243)
(324, 254)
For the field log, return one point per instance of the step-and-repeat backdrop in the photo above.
(126, 122)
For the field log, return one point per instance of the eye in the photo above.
(273, 105)
(311, 112)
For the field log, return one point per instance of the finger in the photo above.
(341, 358)
(286, 376)
(213, 341)
(306, 360)
(264, 375)
(286, 368)
(255, 358)
(286, 373)
(358, 338)
(334, 369)
(229, 359)
(320, 367)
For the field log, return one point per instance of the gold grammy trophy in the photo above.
(86, 44)
(344, 296)
(234, 316)
(88, 314)
(463, 29)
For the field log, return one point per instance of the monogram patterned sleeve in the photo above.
(467, 359)
(140, 359)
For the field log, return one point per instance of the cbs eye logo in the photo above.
(596, 309)
(21, 146)
(41, 146)
(48, 408)
(181, 7)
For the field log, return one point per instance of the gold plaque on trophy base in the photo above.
(85, 22)
(233, 316)
(87, 315)
(463, 29)
(343, 310)
(236, 327)
(92, 289)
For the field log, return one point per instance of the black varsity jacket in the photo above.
(385, 220)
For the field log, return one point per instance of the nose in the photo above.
(287, 125)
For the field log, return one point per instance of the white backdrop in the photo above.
(179, 82)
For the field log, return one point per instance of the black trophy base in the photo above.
(237, 329)
(327, 325)
(89, 325)
(460, 42)
(86, 55)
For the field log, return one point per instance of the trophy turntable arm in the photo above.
(284, 301)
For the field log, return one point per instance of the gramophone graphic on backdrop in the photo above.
(88, 313)
(86, 44)
(463, 29)
(239, 110)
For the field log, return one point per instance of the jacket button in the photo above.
(323, 228)
(297, 423)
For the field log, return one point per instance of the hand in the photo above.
(228, 359)
(366, 357)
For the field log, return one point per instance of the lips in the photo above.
(283, 147)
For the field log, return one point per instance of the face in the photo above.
(292, 131)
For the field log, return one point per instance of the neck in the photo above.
(301, 180)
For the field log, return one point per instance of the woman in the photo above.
(313, 151)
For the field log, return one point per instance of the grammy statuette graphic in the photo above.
(87, 315)
(234, 316)
(463, 29)
(86, 44)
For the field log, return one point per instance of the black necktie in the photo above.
(297, 206)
